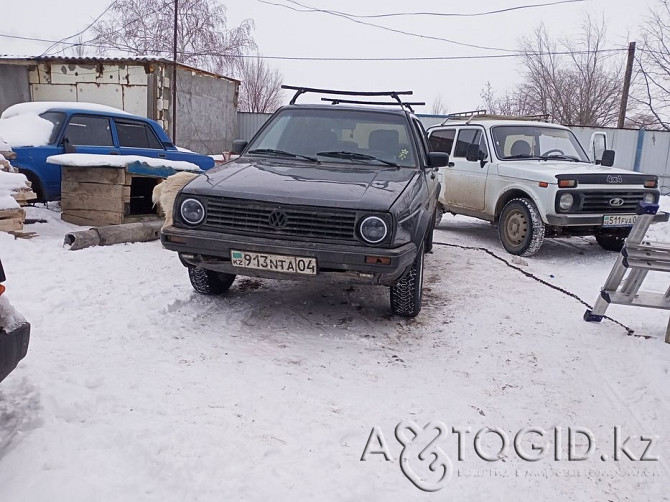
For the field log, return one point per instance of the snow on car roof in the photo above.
(38, 107)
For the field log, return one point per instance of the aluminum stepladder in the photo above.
(636, 259)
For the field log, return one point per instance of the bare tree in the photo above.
(574, 81)
(652, 82)
(439, 107)
(143, 27)
(260, 91)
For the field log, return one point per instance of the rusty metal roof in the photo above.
(9, 59)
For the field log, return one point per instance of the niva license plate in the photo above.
(619, 220)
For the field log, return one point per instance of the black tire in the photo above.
(407, 293)
(611, 242)
(36, 186)
(209, 282)
(439, 212)
(520, 227)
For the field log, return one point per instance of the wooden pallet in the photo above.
(11, 220)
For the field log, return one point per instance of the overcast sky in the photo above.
(282, 32)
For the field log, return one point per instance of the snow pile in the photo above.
(10, 182)
(25, 130)
(94, 160)
(9, 316)
(35, 108)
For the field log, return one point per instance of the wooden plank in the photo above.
(93, 203)
(92, 218)
(11, 224)
(12, 213)
(76, 189)
(113, 175)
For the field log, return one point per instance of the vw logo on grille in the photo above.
(278, 219)
(616, 202)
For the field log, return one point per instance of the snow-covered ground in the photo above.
(136, 388)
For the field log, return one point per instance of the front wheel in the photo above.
(520, 228)
(209, 282)
(611, 242)
(407, 293)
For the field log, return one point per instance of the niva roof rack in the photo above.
(392, 94)
(482, 114)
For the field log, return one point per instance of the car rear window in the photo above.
(136, 135)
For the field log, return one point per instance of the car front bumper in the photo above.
(591, 220)
(13, 347)
(211, 250)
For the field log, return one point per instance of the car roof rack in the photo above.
(482, 114)
(392, 94)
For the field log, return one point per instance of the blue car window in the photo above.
(56, 118)
(86, 130)
(136, 135)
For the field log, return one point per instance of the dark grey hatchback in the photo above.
(321, 191)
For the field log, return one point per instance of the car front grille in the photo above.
(270, 219)
(601, 202)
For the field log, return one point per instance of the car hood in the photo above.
(353, 186)
(542, 170)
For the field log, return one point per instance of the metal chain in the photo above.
(629, 331)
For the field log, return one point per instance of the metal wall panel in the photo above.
(249, 123)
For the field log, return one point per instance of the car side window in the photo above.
(442, 140)
(467, 137)
(87, 130)
(136, 135)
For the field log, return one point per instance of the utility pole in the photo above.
(174, 76)
(626, 85)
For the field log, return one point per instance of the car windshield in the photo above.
(537, 143)
(56, 118)
(345, 136)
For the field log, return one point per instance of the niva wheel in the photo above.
(209, 282)
(407, 293)
(520, 228)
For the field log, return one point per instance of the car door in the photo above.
(138, 138)
(465, 183)
(442, 140)
(432, 180)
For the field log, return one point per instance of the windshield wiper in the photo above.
(356, 156)
(559, 157)
(282, 153)
(523, 156)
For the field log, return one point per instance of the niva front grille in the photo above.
(611, 202)
(260, 218)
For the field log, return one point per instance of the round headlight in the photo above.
(649, 198)
(192, 211)
(566, 201)
(373, 229)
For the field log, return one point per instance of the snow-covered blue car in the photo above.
(37, 130)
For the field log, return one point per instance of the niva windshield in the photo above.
(536, 143)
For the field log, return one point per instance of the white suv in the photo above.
(535, 180)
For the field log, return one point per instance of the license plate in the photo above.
(274, 262)
(619, 220)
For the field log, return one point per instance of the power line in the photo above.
(436, 14)
(386, 28)
(82, 31)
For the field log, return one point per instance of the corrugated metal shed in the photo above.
(249, 123)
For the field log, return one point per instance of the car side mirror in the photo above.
(239, 145)
(438, 159)
(472, 153)
(68, 147)
(608, 158)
